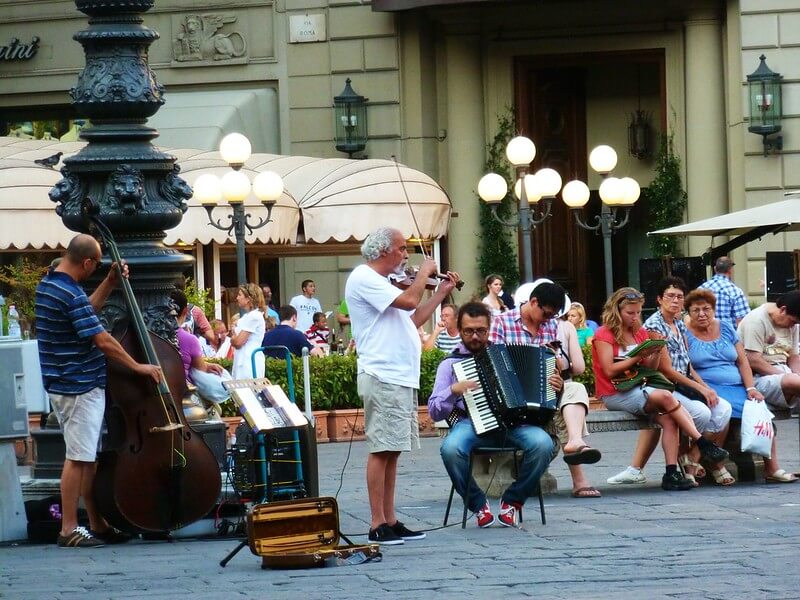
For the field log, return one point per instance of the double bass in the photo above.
(156, 474)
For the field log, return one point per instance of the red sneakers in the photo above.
(484, 516)
(509, 514)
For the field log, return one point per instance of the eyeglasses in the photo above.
(480, 332)
(95, 261)
(672, 296)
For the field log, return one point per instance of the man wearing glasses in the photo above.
(73, 347)
(447, 402)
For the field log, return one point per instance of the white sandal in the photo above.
(722, 476)
(699, 470)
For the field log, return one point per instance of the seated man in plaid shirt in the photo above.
(533, 324)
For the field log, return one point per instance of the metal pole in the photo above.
(606, 218)
(238, 230)
(525, 227)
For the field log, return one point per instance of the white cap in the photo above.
(523, 294)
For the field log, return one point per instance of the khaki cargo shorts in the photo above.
(390, 415)
(81, 418)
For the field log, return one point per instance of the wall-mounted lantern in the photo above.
(764, 86)
(640, 135)
(350, 120)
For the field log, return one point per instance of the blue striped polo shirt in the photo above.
(65, 324)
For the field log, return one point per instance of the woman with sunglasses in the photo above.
(719, 357)
(621, 331)
(710, 413)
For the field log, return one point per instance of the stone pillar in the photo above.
(706, 134)
(466, 141)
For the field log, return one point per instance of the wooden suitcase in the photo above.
(303, 533)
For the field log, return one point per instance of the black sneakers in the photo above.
(713, 453)
(405, 533)
(675, 482)
(384, 535)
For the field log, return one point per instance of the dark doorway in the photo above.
(552, 111)
(552, 94)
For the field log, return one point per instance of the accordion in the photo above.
(513, 386)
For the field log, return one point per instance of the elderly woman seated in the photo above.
(718, 357)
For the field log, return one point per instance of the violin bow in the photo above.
(410, 209)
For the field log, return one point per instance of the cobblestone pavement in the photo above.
(635, 542)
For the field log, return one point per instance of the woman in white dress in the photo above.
(249, 332)
(494, 285)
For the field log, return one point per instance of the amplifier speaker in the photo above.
(782, 273)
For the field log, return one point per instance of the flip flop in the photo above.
(781, 476)
(584, 456)
(586, 492)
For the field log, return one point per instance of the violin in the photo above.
(155, 474)
(409, 276)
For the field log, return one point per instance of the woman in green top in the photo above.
(577, 316)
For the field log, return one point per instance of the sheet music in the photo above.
(264, 406)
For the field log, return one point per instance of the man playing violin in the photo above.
(384, 321)
(73, 347)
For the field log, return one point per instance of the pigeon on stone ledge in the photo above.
(50, 161)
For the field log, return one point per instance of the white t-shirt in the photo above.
(254, 323)
(386, 338)
(305, 307)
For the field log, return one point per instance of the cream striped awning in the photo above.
(325, 199)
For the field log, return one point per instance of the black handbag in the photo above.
(689, 392)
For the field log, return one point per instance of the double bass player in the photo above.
(73, 348)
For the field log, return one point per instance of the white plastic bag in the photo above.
(757, 429)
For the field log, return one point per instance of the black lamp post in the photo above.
(529, 189)
(135, 186)
(614, 193)
(350, 121)
(764, 86)
(235, 187)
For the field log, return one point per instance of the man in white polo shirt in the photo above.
(384, 321)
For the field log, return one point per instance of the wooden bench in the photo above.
(744, 466)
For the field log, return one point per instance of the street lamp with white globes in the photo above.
(235, 187)
(615, 193)
(530, 190)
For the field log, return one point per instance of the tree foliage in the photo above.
(22, 279)
(199, 297)
(497, 254)
(666, 199)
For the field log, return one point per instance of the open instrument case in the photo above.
(303, 533)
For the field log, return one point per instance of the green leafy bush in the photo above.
(22, 278)
(666, 200)
(587, 377)
(497, 254)
(333, 380)
(200, 297)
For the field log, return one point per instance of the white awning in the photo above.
(776, 216)
(339, 199)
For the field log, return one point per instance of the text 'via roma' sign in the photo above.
(15, 50)
(306, 28)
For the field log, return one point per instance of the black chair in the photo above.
(484, 450)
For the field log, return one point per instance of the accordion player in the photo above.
(513, 386)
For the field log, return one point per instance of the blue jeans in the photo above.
(537, 447)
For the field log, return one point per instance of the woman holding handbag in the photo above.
(621, 332)
(718, 356)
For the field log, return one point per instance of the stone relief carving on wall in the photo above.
(199, 39)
